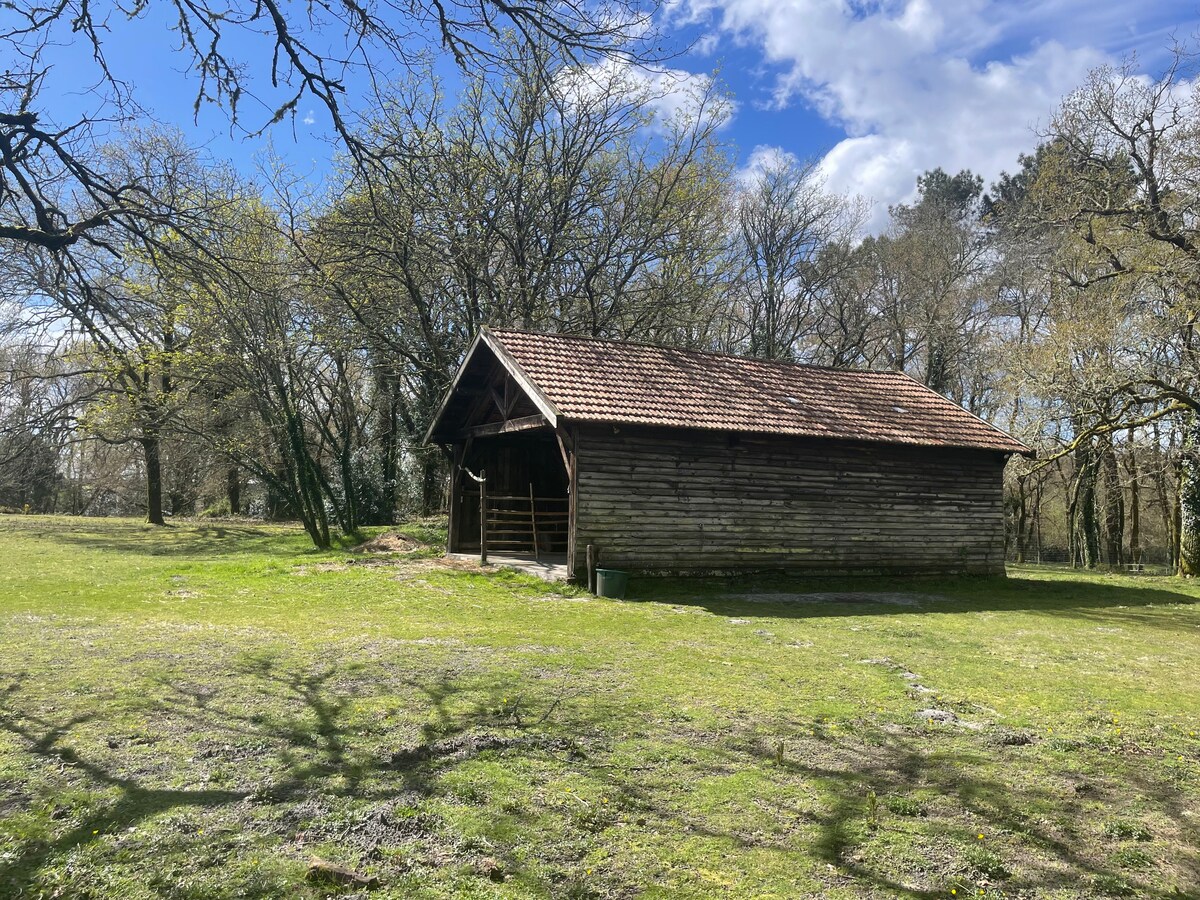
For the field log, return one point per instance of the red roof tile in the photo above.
(614, 381)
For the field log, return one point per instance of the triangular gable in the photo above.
(490, 389)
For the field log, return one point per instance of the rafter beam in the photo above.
(525, 423)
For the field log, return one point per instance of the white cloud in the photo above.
(706, 44)
(309, 118)
(764, 156)
(668, 93)
(922, 83)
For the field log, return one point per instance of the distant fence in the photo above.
(1152, 562)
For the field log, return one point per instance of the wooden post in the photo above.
(533, 521)
(591, 568)
(483, 517)
(572, 509)
(455, 524)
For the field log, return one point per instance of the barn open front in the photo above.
(524, 499)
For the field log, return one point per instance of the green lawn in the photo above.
(196, 711)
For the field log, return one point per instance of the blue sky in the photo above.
(879, 90)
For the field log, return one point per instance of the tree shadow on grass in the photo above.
(844, 829)
(993, 812)
(311, 745)
(316, 755)
(183, 540)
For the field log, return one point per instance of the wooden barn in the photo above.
(671, 460)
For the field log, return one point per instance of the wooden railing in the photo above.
(514, 523)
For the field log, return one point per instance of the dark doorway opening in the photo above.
(527, 505)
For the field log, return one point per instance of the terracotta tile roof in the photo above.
(614, 381)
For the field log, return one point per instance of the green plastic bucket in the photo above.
(611, 583)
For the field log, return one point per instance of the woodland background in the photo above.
(179, 339)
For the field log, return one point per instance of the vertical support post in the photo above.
(483, 517)
(572, 509)
(457, 458)
(533, 521)
(568, 444)
(591, 568)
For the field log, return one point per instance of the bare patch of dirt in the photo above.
(13, 803)
(937, 715)
(208, 748)
(466, 746)
(380, 825)
(392, 823)
(389, 542)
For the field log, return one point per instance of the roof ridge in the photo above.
(783, 363)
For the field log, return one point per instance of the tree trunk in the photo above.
(431, 484)
(1188, 505)
(389, 444)
(1165, 481)
(233, 490)
(1135, 499)
(310, 494)
(1022, 518)
(154, 505)
(1083, 509)
(1037, 520)
(1114, 505)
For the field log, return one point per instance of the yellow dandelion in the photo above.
(97, 831)
(981, 835)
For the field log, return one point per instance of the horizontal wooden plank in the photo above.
(701, 502)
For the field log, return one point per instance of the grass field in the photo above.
(195, 711)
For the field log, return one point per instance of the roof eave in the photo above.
(1025, 450)
(1017, 448)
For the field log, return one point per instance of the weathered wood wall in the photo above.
(670, 500)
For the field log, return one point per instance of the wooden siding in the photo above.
(672, 500)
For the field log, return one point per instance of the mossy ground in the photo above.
(195, 711)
